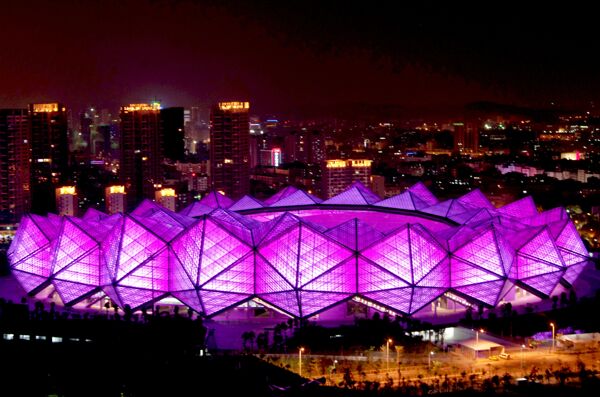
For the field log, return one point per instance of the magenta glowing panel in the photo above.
(302, 262)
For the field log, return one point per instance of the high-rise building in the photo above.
(141, 151)
(229, 148)
(115, 199)
(15, 148)
(466, 138)
(337, 175)
(167, 198)
(305, 146)
(173, 132)
(49, 153)
(66, 200)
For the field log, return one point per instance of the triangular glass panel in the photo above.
(152, 274)
(69, 291)
(529, 267)
(39, 263)
(111, 292)
(268, 280)
(475, 198)
(85, 269)
(463, 273)
(188, 248)
(136, 297)
(286, 301)
(357, 194)
(374, 278)
(312, 302)
(569, 239)
(423, 296)
(220, 250)
(570, 258)
(238, 278)
(317, 255)
(287, 191)
(196, 209)
(393, 254)
(237, 224)
(399, 201)
(542, 247)
(340, 279)
(299, 197)
(420, 190)
(549, 216)
(522, 208)
(93, 215)
(137, 246)
(72, 244)
(438, 277)
(29, 281)
(545, 283)
(282, 253)
(179, 278)
(439, 209)
(273, 228)
(216, 200)
(28, 239)
(216, 301)
(484, 292)
(397, 299)
(246, 203)
(573, 272)
(482, 251)
(425, 252)
(190, 298)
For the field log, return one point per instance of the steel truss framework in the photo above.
(213, 258)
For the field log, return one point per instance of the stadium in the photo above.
(301, 256)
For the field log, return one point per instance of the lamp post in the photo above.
(477, 341)
(387, 354)
(553, 333)
(522, 347)
(300, 350)
(429, 360)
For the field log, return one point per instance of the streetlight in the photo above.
(522, 347)
(477, 341)
(552, 325)
(387, 354)
(429, 359)
(300, 350)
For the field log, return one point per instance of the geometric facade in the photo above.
(301, 255)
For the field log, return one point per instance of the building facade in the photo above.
(229, 148)
(49, 153)
(337, 175)
(15, 151)
(141, 151)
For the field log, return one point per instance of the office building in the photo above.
(66, 200)
(141, 151)
(167, 198)
(49, 153)
(337, 175)
(15, 149)
(466, 138)
(229, 148)
(115, 199)
(173, 133)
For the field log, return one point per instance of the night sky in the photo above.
(287, 57)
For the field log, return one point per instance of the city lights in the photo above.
(234, 106)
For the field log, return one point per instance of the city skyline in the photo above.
(295, 59)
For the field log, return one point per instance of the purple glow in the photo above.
(212, 258)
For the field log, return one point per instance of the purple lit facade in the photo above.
(301, 255)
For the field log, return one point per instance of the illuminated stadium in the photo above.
(302, 256)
